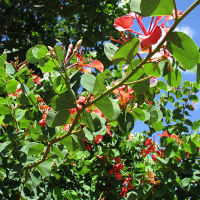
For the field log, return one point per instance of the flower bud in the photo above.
(78, 45)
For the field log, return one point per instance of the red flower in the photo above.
(84, 62)
(36, 79)
(123, 23)
(98, 138)
(88, 147)
(148, 37)
(126, 187)
(118, 176)
(42, 122)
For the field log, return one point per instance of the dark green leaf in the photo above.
(152, 8)
(87, 119)
(126, 53)
(55, 119)
(108, 107)
(126, 122)
(62, 101)
(183, 48)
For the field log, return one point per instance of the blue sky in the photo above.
(191, 26)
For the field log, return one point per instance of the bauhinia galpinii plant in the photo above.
(67, 134)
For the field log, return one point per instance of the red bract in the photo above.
(36, 79)
(124, 94)
(98, 138)
(88, 147)
(84, 62)
(151, 178)
(126, 186)
(123, 23)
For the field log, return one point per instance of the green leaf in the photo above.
(126, 53)
(39, 51)
(151, 70)
(49, 66)
(109, 50)
(141, 87)
(70, 143)
(57, 151)
(59, 52)
(3, 58)
(19, 113)
(87, 119)
(138, 114)
(4, 145)
(71, 195)
(62, 102)
(158, 126)
(35, 53)
(198, 73)
(183, 48)
(126, 122)
(55, 119)
(93, 84)
(171, 149)
(185, 184)
(108, 107)
(99, 124)
(194, 98)
(161, 85)
(35, 149)
(10, 69)
(155, 114)
(25, 90)
(88, 134)
(152, 8)
(99, 86)
(59, 85)
(11, 86)
(57, 193)
(88, 82)
(44, 168)
(174, 78)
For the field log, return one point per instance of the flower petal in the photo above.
(148, 41)
(97, 65)
(98, 138)
(123, 23)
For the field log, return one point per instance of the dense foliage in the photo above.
(67, 134)
(26, 23)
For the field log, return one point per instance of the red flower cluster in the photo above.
(36, 79)
(151, 149)
(126, 186)
(151, 178)
(116, 169)
(123, 94)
